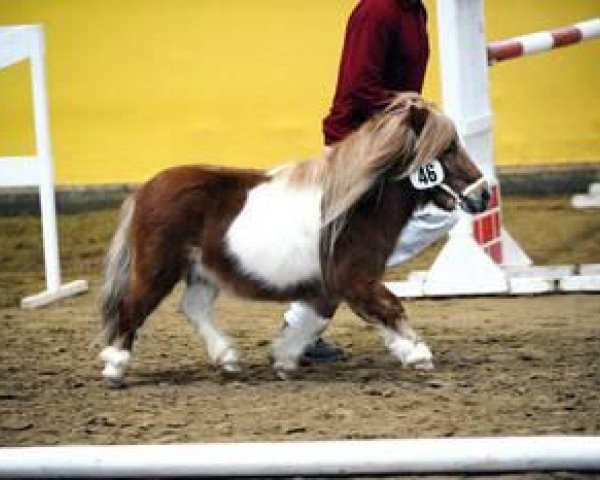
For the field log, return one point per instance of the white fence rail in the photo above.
(350, 457)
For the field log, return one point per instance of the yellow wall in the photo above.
(137, 85)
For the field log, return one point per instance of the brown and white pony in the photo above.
(319, 231)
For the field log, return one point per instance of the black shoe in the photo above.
(322, 351)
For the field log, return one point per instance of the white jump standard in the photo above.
(18, 44)
(481, 257)
(587, 200)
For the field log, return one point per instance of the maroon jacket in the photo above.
(385, 50)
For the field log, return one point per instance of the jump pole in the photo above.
(481, 257)
(17, 44)
(347, 457)
(543, 41)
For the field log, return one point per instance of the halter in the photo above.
(461, 196)
(431, 176)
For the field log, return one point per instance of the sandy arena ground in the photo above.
(504, 366)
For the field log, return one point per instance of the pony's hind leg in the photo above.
(135, 307)
(375, 303)
(116, 362)
(132, 290)
(197, 303)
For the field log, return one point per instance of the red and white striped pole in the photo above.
(480, 256)
(542, 41)
(487, 227)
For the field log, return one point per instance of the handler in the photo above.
(385, 51)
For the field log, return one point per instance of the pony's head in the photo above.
(441, 170)
(409, 139)
(401, 142)
(451, 180)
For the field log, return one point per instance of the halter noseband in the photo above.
(431, 176)
(461, 196)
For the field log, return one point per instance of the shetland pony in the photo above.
(319, 231)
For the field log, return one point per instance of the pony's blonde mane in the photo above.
(407, 134)
(386, 143)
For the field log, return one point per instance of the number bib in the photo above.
(427, 176)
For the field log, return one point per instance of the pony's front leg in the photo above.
(408, 348)
(376, 304)
(304, 323)
(198, 301)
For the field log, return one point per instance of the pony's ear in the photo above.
(418, 117)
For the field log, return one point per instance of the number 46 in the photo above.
(427, 174)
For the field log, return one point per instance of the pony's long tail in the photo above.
(116, 272)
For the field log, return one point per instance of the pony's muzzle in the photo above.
(476, 197)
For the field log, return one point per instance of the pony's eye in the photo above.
(452, 148)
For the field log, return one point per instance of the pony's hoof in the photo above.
(229, 361)
(119, 359)
(231, 370)
(113, 373)
(420, 357)
(115, 367)
(114, 383)
(281, 374)
(284, 371)
(232, 367)
(423, 365)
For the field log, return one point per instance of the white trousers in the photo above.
(426, 225)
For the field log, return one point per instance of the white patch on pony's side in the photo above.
(275, 237)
